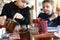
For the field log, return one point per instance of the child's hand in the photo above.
(18, 16)
(2, 20)
(53, 17)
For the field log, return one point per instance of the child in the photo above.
(58, 18)
(47, 13)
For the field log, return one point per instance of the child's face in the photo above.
(47, 7)
(58, 11)
(22, 3)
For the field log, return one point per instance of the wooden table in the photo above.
(43, 36)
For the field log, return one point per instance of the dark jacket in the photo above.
(45, 16)
(10, 9)
(58, 20)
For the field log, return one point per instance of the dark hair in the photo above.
(45, 1)
(49, 1)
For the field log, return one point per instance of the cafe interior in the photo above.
(36, 30)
